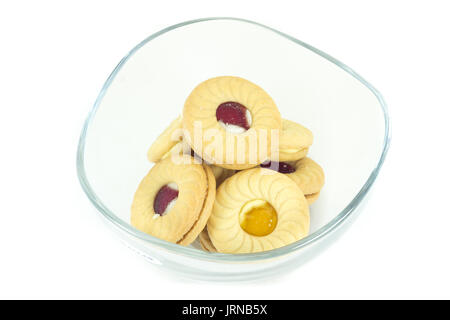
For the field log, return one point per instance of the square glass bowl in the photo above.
(147, 90)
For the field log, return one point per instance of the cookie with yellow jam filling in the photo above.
(257, 210)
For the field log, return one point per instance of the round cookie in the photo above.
(205, 241)
(295, 141)
(244, 201)
(228, 121)
(306, 173)
(174, 201)
(200, 224)
(166, 141)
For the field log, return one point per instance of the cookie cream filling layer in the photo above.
(165, 199)
(291, 150)
(258, 218)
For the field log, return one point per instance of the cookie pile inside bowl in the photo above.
(229, 172)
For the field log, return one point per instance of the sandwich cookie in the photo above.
(257, 210)
(167, 142)
(174, 201)
(306, 173)
(229, 122)
(205, 241)
(295, 141)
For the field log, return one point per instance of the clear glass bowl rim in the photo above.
(221, 257)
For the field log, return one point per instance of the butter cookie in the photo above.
(166, 142)
(295, 141)
(174, 201)
(205, 241)
(230, 121)
(257, 210)
(306, 173)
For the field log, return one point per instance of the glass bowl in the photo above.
(147, 90)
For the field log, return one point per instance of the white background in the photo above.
(54, 58)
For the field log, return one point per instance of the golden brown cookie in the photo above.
(295, 141)
(229, 122)
(205, 241)
(257, 210)
(166, 142)
(173, 202)
(306, 173)
(200, 224)
(311, 198)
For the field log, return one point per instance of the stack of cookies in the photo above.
(230, 172)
